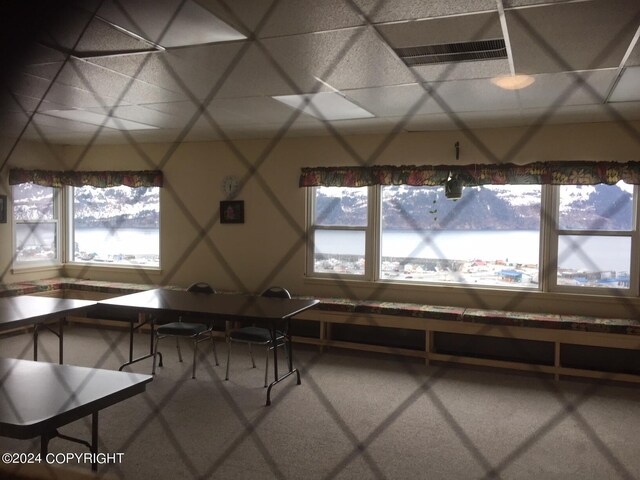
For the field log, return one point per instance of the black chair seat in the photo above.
(181, 329)
(259, 335)
(198, 332)
(253, 335)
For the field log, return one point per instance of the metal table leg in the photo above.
(142, 318)
(292, 370)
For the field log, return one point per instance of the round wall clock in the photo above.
(230, 185)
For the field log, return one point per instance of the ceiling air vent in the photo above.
(453, 52)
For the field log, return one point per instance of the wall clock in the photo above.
(230, 185)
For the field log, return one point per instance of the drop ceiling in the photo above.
(209, 69)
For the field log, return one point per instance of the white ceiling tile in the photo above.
(170, 23)
(577, 88)
(395, 101)
(182, 111)
(256, 109)
(104, 83)
(153, 68)
(291, 17)
(628, 86)
(12, 123)
(473, 96)
(397, 10)
(138, 114)
(634, 58)
(435, 31)
(345, 59)
(461, 71)
(37, 54)
(571, 36)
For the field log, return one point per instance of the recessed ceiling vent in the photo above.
(453, 52)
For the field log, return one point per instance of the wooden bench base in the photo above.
(556, 337)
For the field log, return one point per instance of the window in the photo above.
(115, 225)
(339, 230)
(491, 236)
(36, 232)
(595, 236)
(494, 236)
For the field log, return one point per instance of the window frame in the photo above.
(555, 232)
(548, 248)
(312, 228)
(69, 250)
(404, 281)
(57, 220)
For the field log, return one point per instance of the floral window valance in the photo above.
(101, 179)
(538, 173)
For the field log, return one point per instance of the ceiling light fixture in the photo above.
(513, 82)
(325, 105)
(98, 119)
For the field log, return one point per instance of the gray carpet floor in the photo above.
(355, 416)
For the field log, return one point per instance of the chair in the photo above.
(197, 331)
(258, 335)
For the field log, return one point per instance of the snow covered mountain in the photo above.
(488, 208)
(93, 207)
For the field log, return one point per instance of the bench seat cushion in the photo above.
(410, 310)
(512, 319)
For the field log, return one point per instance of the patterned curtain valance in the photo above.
(538, 173)
(101, 179)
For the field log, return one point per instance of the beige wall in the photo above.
(269, 248)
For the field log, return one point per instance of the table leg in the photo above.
(275, 360)
(131, 342)
(275, 351)
(142, 319)
(94, 440)
(35, 342)
(60, 340)
(44, 446)
(290, 351)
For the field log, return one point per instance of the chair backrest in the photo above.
(200, 287)
(276, 292)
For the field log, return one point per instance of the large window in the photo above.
(491, 236)
(524, 236)
(36, 232)
(116, 225)
(595, 236)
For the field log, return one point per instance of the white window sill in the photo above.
(110, 267)
(17, 269)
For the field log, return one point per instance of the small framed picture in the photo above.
(3, 209)
(232, 211)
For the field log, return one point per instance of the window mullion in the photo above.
(67, 224)
(547, 266)
(373, 249)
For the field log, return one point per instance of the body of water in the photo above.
(125, 245)
(510, 246)
(123, 241)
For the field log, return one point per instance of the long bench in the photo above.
(558, 332)
(428, 321)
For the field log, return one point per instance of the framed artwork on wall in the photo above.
(3, 209)
(232, 211)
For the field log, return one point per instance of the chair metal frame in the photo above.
(280, 340)
(201, 336)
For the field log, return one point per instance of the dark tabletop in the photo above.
(38, 397)
(224, 306)
(29, 309)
